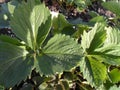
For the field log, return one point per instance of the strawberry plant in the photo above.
(53, 53)
(19, 57)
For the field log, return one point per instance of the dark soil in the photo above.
(7, 31)
(3, 1)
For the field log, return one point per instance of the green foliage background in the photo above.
(55, 53)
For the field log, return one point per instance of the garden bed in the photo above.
(81, 44)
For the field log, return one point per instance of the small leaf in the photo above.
(81, 4)
(115, 75)
(99, 19)
(60, 53)
(9, 8)
(60, 23)
(94, 71)
(80, 28)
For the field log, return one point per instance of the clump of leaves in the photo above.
(31, 22)
(37, 50)
(101, 50)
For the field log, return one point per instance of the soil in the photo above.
(7, 31)
(2, 1)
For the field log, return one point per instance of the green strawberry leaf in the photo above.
(109, 54)
(43, 31)
(14, 66)
(26, 24)
(60, 53)
(114, 75)
(94, 71)
(113, 36)
(94, 38)
(110, 51)
(10, 40)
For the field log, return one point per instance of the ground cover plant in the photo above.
(39, 51)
